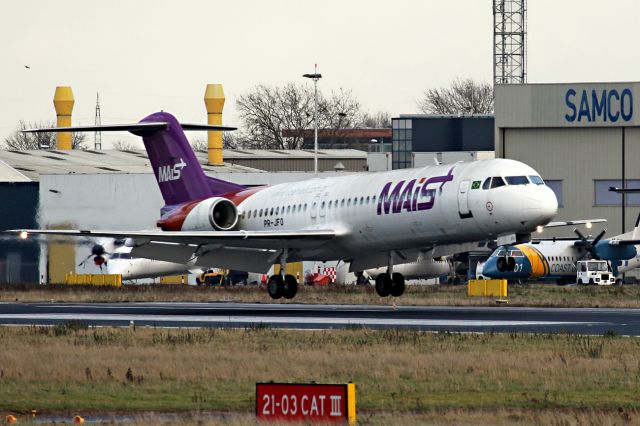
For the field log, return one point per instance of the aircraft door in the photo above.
(463, 200)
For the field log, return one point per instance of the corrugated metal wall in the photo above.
(18, 209)
(577, 157)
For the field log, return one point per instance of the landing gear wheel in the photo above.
(290, 287)
(383, 285)
(275, 286)
(591, 282)
(397, 284)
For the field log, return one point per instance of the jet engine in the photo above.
(212, 214)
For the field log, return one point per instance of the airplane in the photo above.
(556, 259)
(368, 219)
(115, 256)
(131, 268)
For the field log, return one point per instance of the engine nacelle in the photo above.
(212, 214)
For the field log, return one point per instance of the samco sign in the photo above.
(567, 105)
(599, 105)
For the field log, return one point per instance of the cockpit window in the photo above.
(497, 182)
(516, 253)
(598, 266)
(499, 253)
(536, 179)
(486, 183)
(517, 180)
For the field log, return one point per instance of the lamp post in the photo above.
(315, 77)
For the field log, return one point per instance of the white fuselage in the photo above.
(423, 268)
(563, 255)
(374, 213)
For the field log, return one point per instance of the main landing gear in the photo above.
(280, 285)
(390, 283)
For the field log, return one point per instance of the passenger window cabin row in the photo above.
(302, 207)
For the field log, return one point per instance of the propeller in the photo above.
(98, 252)
(589, 246)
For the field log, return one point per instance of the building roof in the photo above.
(436, 116)
(24, 166)
(237, 154)
(361, 132)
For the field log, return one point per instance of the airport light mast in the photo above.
(315, 77)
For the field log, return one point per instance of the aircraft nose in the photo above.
(540, 205)
(549, 203)
(490, 268)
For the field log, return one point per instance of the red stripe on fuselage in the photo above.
(173, 220)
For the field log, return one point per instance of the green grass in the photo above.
(71, 369)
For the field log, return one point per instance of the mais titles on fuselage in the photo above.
(415, 195)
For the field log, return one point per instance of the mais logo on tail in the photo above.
(171, 172)
(415, 195)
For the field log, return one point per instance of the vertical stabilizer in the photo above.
(177, 170)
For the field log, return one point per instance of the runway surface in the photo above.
(298, 316)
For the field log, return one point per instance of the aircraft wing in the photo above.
(573, 222)
(242, 239)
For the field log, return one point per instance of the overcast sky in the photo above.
(146, 55)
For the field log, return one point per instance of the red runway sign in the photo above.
(325, 403)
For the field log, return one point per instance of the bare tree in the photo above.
(201, 144)
(268, 111)
(376, 120)
(20, 141)
(464, 96)
(122, 145)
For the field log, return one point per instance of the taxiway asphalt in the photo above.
(303, 316)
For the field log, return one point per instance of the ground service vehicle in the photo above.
(595, 272)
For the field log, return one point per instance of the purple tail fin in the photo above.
(178, 171)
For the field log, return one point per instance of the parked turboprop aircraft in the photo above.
(556, 259)
(369, 219)
(423, 268)
(115, 257)
(131, 268)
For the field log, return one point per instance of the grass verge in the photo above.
(71, 369)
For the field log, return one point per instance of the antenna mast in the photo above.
(97, 136)
(509, 41)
